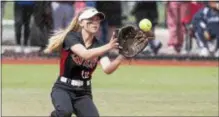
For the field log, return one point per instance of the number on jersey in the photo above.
(85, 74)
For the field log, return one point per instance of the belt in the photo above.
(75, 82)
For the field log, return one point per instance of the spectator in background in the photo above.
(175, 12)
(42, 24)
(79, 6)
(22, 14)
(113, 19)
(148, 9)
(2, 8)
(62, 13)
(91, 4)
(206, 27)
(193, 8)
(2, 13)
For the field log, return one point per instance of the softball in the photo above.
(145, 25)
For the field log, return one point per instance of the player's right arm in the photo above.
(110, 66)
(86, 54)
(81, 51)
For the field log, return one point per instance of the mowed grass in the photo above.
(130, 91)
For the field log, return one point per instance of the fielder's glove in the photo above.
(132, 41)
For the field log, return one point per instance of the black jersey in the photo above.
(74, 67)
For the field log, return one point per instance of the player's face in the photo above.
(92, 24)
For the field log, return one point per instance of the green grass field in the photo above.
(130, 91)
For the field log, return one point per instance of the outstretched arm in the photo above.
(81, 51)
(108, 66)
(86, 54)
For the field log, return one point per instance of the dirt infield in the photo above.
(132, 62)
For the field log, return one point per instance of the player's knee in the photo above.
(94, 114)
(89, 114)
(65, 113)
(61, 113)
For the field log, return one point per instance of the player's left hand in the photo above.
(132, 40)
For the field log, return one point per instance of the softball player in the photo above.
(80, 53)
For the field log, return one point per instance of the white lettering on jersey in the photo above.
(87, 63)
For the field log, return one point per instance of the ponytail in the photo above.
(55, 42)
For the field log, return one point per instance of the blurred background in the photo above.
(26, 26)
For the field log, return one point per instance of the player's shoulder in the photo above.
(98, 42)
(74, 34)
(72, 37)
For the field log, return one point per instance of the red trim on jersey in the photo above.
(91, 73)
(64, 55)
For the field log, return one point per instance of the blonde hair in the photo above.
(56, 41)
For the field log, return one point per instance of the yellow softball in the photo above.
(145, 25)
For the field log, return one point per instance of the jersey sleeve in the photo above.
(70, 40)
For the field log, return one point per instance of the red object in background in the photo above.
(193, 8)
(78, 6)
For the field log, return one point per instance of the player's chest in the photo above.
(78, 61)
